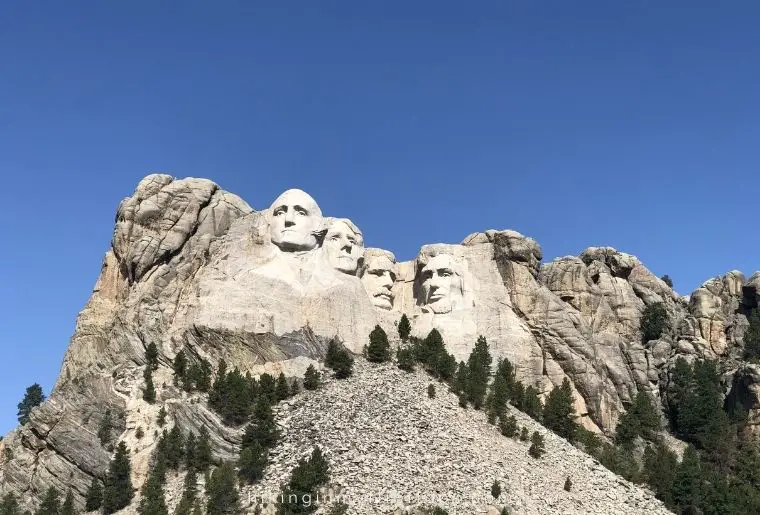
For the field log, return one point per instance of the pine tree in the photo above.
(153, 501)
(32, 398)
(498, 396)
(537, 448)
(180, 368)
(378, 350)
(405, 359)
(9, 505)
(311, 378)
(627, 430)
(51, 503)
(524, 434)
(508, 426)
(339, 360)
(189, 494)
(282, 391)
(446, 366)
(151, 356)
(191, 444)
(268, 387)
(404, 328)
(431, 391)
(118, 490)
(234, 403)
(93, 500)
(531, 404)
(295, 389)
(752, 336)
(478, 372)
(263, 427)
(460, 380)
(660, 466)
(306, 477)
(495, 489)
(175, 448)
(559, 413)
(252, 462)
(654, 321)
(161, 420)
(67, 508)
(149, 392)
(203, 454)
(686, 484)
(568, 484)
(667, 280)
(104, 428)
(223, 496)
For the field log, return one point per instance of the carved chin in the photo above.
(290, 241)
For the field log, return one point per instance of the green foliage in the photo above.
(252, 462)
(307, 476)
(439, 511)
(230, 396)
(282, 390)
(378, 350)
(161, 420)
(654, 321)
(189, 494)
(589, 440)
(311, 378)
(32, 398)
(174, 448)
(93, 500)
(9, 505)
(498, 395)
(752, 337)
(295, 389)
(524, 436)
(223, 495)
(339, 508)
(405, 359)
(478, 372)
(495, 489)
(537, 448)
(105, 427)
(67, 508)
(568, 484)
(198, 377)
(153, 501)
(179, 365)
(203, 455)
(531, 404)
(431, 354)
(149, 391)
(686, 483)
(508, 426)
(51, 503)
(459, 384)
(642, 419)
(559, 413)
(404, 328)
(263, 428)
(660, 465)
(431, 391)
(151, 356)
(667, 280)
(118, 491)
(339, 360)
(191, 446)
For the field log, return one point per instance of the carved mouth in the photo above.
(383, 295)
(436, 297)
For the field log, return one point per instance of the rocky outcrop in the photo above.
(192, 267)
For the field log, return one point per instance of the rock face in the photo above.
(192, 267)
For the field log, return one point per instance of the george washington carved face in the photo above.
(295, 221)
(344, 245)
(441, 285)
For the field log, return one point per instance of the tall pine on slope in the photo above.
(32, 398)
(93, 500)
(50, 503)
(404, 328)
(223, 496)
(559, 413)
(378, 350)
(478, 372)
(118, 491)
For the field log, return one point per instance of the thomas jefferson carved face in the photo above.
(377, 276)
(442, 285)
(344, 246)
(295, 221)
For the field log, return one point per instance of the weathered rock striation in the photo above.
(192, 267)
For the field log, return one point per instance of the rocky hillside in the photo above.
(193, 268)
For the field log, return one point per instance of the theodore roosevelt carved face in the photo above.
(378, 275)
(295, 221)
(442, 287)
(344, 245)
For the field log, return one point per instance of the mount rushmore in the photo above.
(192, 267)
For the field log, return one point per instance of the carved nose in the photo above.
(288, 223)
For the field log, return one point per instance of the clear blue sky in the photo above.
(630, 124)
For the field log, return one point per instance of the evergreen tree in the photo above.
(537, 448)
(568, 484)
(654, 321)
(32, 398)
(235, 402)
(180, 368)
(153, 501)
(189, 494)
(51, 504)
(282, 390)
(559, 413)
(252, 462)
(627, 430)
(431, 391)
(660, 466)
(518, 395)
(405, 359)
(223, 496)
(9, 505)
(686, 483)
(428, 350)
(175, 448)
(667, 280)
(295, 389)
(149, 392)
(378, 350)
(404, 328)
(460, 380)
(263, 427)
(306, 477)
(104, 428)
(118, 491)
(531, 404)
(495, 489)
(203, 455)
(311, 378)
(161, 420)
(68, 505)
(339, 360)
(506, 370)
(524, 434)
(446, 366)
(191, 445)
(151, 356)
(93, 500)
(478, 372)
(508, 426)
(268, 387)
(218, 389)
(752, 337)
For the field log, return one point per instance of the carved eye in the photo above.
(334, 237)
(377, 272)
(301, 211)
(445, 273)
(352, 241)
(280, 211)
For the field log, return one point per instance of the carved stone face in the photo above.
(378, 278)
(441, 285)
(295, 218)
(344, 246)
